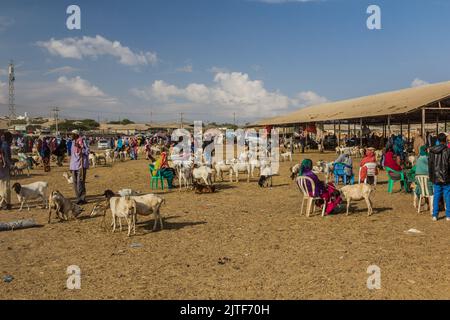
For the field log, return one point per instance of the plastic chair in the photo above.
(339, 172)
(302, 184)
(424, 193)
(371, 172)
(155, 178)
(392, 181)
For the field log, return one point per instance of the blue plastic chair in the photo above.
(339, 172)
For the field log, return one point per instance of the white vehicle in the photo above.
(103, 144)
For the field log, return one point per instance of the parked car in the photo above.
(103, 144)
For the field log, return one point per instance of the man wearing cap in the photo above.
(79, 163)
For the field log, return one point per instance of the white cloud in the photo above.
(61, 70)
(233, 91)
(81, 87)
(93, 47)
(419, 83)
(217, 69)
(6, 22)
(187, 68)
(308, 98)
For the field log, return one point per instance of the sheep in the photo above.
(62, 207)
(108, 155)
(123, 207)
(31, 191)
(19, 166)
(358, 192)
(146, 205)
(201, 188)
(204, 173)
(68, 177)
(241, 167)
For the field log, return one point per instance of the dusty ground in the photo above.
(272, 251)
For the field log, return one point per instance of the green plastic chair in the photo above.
(155, 178)
(391, 181)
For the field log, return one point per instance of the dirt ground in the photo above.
(242, 242)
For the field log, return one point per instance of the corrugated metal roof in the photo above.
(383, 104)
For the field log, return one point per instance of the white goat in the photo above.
(358, 192)
(31, 191)
(243, 167)
(202, 173)
(123, 207)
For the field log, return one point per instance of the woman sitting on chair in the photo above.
(327, 193)
(347, 160)
(369, 158)
(166, 172)
(421, 168)
(392, 162)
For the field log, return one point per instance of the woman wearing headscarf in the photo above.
(306, 171)
(327, 193)
(162, 165)
(421, 168)
(392, 161)
(368, 158)
(347, 160)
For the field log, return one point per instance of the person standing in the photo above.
(439, 170)
(5, 164)
(79, 163)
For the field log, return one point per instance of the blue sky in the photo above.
(211, 58)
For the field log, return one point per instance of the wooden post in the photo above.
(423, 124)
(401, 128)
(334, 126)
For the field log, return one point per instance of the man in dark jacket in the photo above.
(439, 169)
(5, 164)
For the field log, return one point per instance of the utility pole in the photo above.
(234, 119)
(181, 120)
(56, 117)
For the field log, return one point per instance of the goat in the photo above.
(146, 205)
(203, 173)
(265, 178)
(93, 159)
(68, 177)
(123, 207)
(201, 188)
(19, 166)
(286, 155)
(294, 171)
(30, 192)
(62, 206)
(241, 167)
(358, 192)
(222, 167)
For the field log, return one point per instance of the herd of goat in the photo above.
(128, 204)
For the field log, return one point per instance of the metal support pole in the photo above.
(423, 123)
(360, 131)
(339, 133)
(389, 126)
(409, 131)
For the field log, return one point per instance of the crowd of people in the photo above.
(432, 159)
